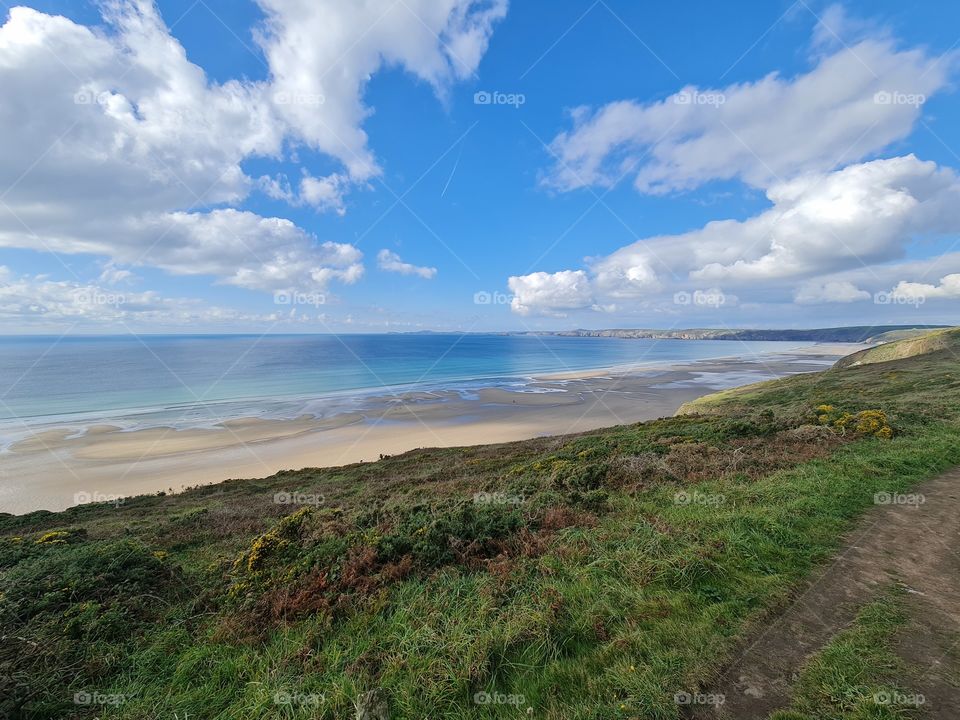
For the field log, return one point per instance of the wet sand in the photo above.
(57, 468)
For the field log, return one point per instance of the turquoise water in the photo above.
(196, 380)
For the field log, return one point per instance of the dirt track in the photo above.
(914, 545)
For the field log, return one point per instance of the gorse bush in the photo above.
(865, 422)
(436, 538)
(67, 610)
(121, 576)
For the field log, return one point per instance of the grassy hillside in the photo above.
(600, 575)
(943, 340)
(894, 335)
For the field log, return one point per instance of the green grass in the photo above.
(908, 347)
(858, 676)
(621, 567)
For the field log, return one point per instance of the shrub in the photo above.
(580, 476)
(275, 541)
(66, 615)
(106, 575)
(865, 422)
(872, 422)
(435, 539)
(62, 537)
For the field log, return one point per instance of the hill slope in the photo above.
(943, 340)
(597, 576)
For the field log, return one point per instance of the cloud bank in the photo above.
(116, 145)
(839, 225)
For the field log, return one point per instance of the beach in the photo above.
(55, 468)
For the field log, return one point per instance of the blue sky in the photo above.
(250, 166)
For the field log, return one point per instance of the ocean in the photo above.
(200, 380)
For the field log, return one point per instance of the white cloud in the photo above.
(237, 247)
(761, 132)
(324, 193)
(887, 277)
(836, 28)
(834, 291)
(543, 293)
(391, 262)
(949, 288)
(322, 53)
(115, 144)
(864, 213)
(817, 227)
(839, 225)
(277, 188)
(113, 275)
(37, 301)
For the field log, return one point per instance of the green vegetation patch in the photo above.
(858, 676)
(588, 576)
(71, 612)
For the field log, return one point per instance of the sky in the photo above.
(458, 165)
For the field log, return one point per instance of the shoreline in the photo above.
(125, 419)
(57, 468)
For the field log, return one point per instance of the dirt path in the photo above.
(917, 546)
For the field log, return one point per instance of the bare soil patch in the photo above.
(914, 545)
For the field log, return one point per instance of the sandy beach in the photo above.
(59, 467)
